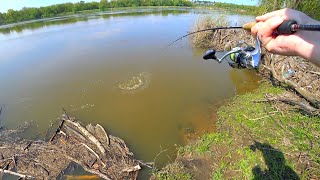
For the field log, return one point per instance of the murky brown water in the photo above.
(77, 63)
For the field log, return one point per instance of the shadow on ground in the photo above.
(275, 162)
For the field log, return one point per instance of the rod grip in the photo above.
(286, 27)
(248, 26)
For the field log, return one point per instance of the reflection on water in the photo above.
(75, 63)
(36, 24)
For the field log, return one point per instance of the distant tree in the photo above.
(11, 16)
(1, 19)
(50, 11)
(310, 7)
(29, 13)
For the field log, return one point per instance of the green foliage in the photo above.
(310, 7)
(177, 176)
(25, 14)
(1, 19)
(103, 5)
(233, 6)
(236, 8)
(208, 139)
(135, 3)
(218, 173)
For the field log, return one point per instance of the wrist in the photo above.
(310, 52)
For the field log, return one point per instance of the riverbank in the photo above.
(270, 133)
(233, 8)
(254, 139)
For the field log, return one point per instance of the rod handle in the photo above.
(284, 28)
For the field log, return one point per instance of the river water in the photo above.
(79, 62)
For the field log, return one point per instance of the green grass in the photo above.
(208, 139)
(173, 171)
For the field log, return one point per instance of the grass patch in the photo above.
(174, 171)
(210, 138)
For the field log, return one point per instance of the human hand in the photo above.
(301, 43)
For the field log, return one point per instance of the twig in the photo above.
(154, 160)
(302, 106)
(92, 151)
(255, 119)
(146, 164)
(314, 72)
(57, 130)
(27, 146)
(16, 174)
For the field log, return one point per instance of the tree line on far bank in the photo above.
(13, 16)
(310, 7)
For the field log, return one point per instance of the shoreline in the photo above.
(253, 139)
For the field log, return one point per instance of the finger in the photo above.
(267, 28)
(281, 13)
(256, 28)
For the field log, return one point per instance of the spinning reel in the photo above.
(241, 56)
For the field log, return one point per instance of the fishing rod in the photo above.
(247, 56)
(246, 26)
(287, 27)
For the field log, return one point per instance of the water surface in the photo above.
(77, 62)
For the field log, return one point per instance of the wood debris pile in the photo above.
(90, 147)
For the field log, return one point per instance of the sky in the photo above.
(19, 4)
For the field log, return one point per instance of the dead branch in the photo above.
(92, 151)
(93, 139)
(148, 165)
(302, 106)
(57, 130)
(16, 174)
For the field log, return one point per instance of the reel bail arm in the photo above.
(240, 57)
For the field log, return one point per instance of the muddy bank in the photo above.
(88, 146)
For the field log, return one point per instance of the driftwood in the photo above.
(90, 147)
